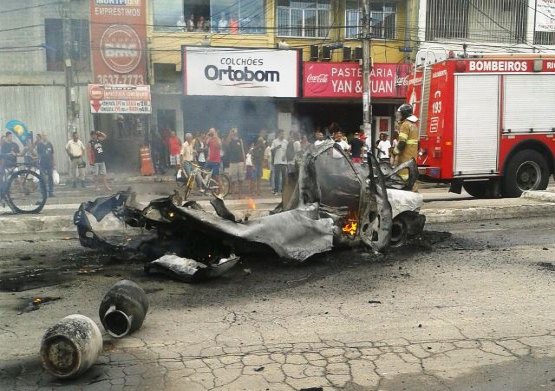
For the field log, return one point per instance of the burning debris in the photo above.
(331, 204)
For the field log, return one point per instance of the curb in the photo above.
(539, 209)
(539, 195)
(47, 224)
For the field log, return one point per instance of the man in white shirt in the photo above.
(338, 137)
(187, 156)
(319, 138)
(279, 148)
(384, 146)
(76, 150)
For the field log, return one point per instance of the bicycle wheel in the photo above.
(187, 187)
(26, 192)
(216, 189)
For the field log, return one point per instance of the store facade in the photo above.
(246, 88)
(332, 92)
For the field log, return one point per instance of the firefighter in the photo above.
(407, 147)
(147, 167)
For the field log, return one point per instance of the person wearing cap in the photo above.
(407, 148)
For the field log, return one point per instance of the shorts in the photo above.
(251, 173)
(174, 160)
(236, 171)
(100, 168)
(214, 166)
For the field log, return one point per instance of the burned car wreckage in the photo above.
(328, 203)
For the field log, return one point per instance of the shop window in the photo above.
(215, 16)
(382, 19)
(168, 15)
(165, 73)
(54, 45)
(303, 18)
(238, 16)
(486, 20)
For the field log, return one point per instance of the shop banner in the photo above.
(240, 72)
(344, 80)
(119, 98)
(118, 41)
(545, 15)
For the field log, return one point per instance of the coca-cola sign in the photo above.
(344, 80)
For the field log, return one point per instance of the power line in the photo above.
(30, 7)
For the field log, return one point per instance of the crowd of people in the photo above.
(270, 155)
(224, 24)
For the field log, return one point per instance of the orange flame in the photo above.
(350, 227)
(251, 204)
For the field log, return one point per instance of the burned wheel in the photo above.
(399, 231)
(527, 170)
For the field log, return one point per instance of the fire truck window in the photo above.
(338, 181)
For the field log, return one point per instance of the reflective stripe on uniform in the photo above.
(412, 142)
(403, 136)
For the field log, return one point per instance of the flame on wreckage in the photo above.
(329, 204)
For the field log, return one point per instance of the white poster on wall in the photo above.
(240, 72)
(545, 15)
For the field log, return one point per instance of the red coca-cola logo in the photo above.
(321, 78)
(121, 48)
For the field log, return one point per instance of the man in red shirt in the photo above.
(174, 147)
(214, 145)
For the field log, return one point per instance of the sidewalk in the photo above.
(439, 207)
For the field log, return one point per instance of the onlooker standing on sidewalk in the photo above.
(214, 159)
(98, 148)
(187, 154)
(236, 155)
(75, 150)
(258, 161)
(174, 147)
(45, 151)
(356, 148)
(279, 147)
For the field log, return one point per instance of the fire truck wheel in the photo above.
(477, 189)
(527, 170)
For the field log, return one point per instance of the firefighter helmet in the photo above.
(405, 110)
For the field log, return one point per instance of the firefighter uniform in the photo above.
(408, 132)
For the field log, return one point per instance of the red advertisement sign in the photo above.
(344, 80)
(120, 98)
(118, 41)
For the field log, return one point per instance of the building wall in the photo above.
(42, 109)
(491, 27)
(28, 92)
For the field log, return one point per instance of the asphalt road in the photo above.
(469, 307)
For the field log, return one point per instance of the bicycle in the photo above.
(22, 189)
(204, 180)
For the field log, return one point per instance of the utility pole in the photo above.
(68, 67)
(366, 22)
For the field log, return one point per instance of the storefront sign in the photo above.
(344, 80)
(545, 15)
(240, 72)
(120, 98)
(118, 41)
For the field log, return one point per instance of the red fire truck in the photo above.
(487, 122)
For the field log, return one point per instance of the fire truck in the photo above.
(487, 122)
